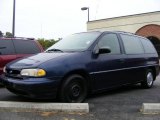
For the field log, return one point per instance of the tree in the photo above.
(1, 34)
(46, 43)
(8, 34)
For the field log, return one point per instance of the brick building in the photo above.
(145, 24)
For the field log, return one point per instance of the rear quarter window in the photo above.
(26, 47)
(148, 46)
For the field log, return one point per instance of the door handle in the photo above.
(146, 58)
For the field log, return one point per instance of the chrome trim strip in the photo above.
(121, 69)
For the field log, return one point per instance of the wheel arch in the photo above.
(80, 72)
(153, 70)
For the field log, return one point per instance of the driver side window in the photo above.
(110, 40)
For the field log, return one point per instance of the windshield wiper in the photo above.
(54, 49)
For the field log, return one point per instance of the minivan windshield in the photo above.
(75, 42)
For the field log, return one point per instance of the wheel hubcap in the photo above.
(149, 78)
(76, 90)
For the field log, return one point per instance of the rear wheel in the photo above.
(148, 80)
(73, 89)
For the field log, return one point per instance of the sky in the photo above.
(53, 19)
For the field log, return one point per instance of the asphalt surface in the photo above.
(121, 104)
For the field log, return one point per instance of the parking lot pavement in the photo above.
(121, 104)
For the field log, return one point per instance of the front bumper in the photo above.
(38, 88)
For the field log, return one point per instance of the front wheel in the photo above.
(73, 89)
(148, 80)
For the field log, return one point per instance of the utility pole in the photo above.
(13, 24)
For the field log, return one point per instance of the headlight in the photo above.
(33, 72)
(4, 69)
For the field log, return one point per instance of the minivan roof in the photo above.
(129, 33)
(122, 32)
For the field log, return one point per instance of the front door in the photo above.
(108, 67)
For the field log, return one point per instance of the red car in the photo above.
(14, 48)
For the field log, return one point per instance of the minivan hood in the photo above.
(35, 60)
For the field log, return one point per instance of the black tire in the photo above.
(1, 85)
(148, 79)
(73, 89)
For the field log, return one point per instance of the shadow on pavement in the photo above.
(114, 91)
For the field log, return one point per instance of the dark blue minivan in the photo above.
(84, 63)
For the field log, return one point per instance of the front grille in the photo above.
(13, 73)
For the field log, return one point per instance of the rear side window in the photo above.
(132, 44)
(6, 47)
(110, 40)
(26, 47)
(148, 46)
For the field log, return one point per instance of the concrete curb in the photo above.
(44, 107)
(151, 108)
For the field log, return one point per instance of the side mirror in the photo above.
(104, 50)
(101, 50)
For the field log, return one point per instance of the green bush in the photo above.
(46, 43)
